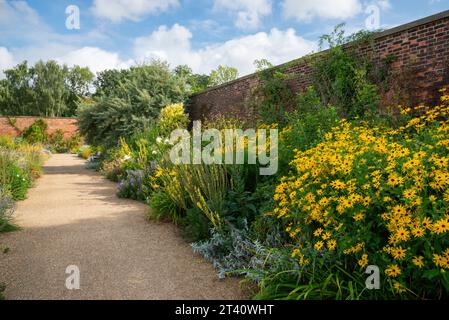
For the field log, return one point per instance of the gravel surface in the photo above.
(73, 217)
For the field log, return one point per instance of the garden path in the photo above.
(73, 217)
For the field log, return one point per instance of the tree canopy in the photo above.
(45, 89)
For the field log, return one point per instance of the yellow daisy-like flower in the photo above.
(418, 232)
(319, 245)
(440, 261)
(394, 180)
(331, 244)
(418, 261)
(399, 288)
(446, 196)
(441, 226)
(326, 235)
(318, 232)
(363, 262)
(393, 271)
(402, 234)
(398, 253)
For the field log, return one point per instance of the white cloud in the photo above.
(94, 58)
(134, 10)
(6, 60)
(383, 4)
(306, 10)
(249, 13)
(174, 45)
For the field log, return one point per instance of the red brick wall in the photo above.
(68, 125)
(421, 65)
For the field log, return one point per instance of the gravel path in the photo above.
(73, 217)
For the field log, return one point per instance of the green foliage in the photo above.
(303, 131)
(59, 144)
(196, 82)
(195, 225)
(19, 164)
(342, 78)
(163, 207)
(222, 75)
(273, 97)
(37, 132)
(262, 64)
(45, 89)
(130, 103)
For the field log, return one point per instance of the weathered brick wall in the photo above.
(68, 125)
(420, 52)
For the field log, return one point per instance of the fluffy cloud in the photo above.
(118, 10)
(249, 13)
(94, 58)
(306, 10)
(174, 45)
(6, 60)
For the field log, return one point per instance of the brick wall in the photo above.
(421, 59)
(68, 125)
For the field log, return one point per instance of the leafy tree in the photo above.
(46, 89)
(196, 82)
(132, 101)
(222, 75)
(262, 64)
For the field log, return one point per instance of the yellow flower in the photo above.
(359, 217)
(331, 244)
(418, 232)
(402, 234)
(363, 262)
(318, 232)
(409, 194)
(326, 235)
(418, 261)
(441, 226)
(399, 288)
(446, 196)
(319, 245)
(440, 261)
(393, 271)
(398, 253)
(427, 223)
(394, 180)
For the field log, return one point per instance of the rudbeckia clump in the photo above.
(375, 196)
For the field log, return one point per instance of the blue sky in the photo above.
(201, 33)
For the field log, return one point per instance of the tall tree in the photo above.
(222, 75)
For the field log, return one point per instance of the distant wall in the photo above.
(420, 49)
(68, 125)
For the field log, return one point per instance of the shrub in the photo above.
(130, 104)
(373, 196)
(173, 117)
(37, 132)
(57, 142)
